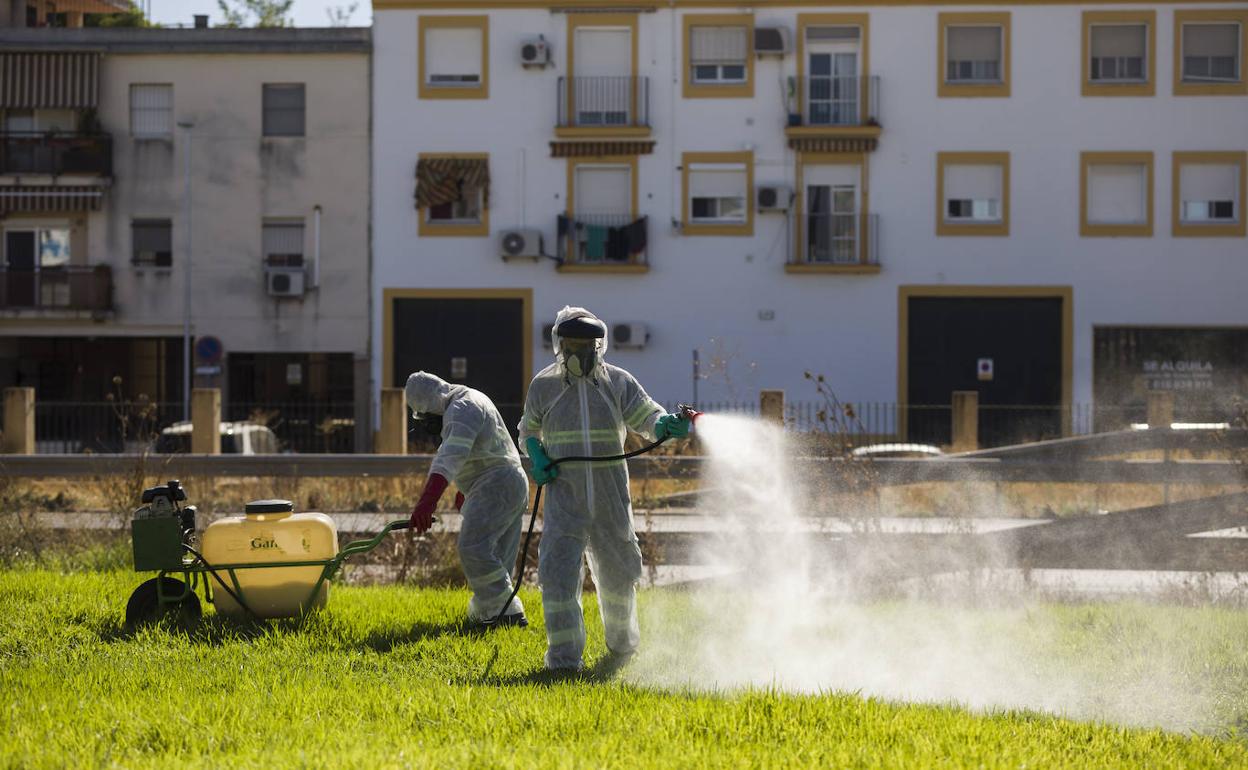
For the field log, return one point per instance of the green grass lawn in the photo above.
(387, 678)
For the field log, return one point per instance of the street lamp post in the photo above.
(186, 126)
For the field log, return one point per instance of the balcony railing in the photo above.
(57, 288)
(603, 239)
(604, 102)
(836, 239)
(831, 101)
(56, 153)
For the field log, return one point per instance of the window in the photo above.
(282, 241)
(601, 229)
(452, 194)
(1209, 52)
(603, 89)
(1116, 198)
(454, 57)
(151, 111)
(151, 242)
(1118, 53)
(718, 187)
(1209, 189)
(974, 54)
(972, 192)
(719, 57)
(832, 218)
(283, 109)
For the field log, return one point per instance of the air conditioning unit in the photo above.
(771, 41)
(284, 281)
(547, 329)
(773, 197)
(521, 243)
(630, 335)
(535, 52)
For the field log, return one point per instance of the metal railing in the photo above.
(604, 102)
(851, 100)
(602, 239)
(303, 426)
(836, 239)
(58, 288)
(56, 153)
(71, 427)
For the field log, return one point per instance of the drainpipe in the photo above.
(316, 246)
(187, 374)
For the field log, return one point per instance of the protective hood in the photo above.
(429, 394)
(568, 313)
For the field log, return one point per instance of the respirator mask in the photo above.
(579, 356)
(428, 424)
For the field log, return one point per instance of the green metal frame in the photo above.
(191, 572)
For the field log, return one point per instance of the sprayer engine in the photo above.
(161, 528)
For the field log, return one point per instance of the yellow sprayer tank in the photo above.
(270, 532)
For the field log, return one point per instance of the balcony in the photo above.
(55, 154)
(57, 291)
(603, 107)
(834, 113)
(604, 243)
(835, 243)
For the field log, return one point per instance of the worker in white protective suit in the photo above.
(477, 453)
(582, 406)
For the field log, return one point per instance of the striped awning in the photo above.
(592, 149)
(50, 198)
(446, 180)
(31, 80)
(833, 144)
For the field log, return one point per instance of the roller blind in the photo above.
(603, 190)
(151, 110)
(1116, 193)
(973, 182)
(974, 43)
(283, 239)
(831, 34)
(831, 175)
(1208, 182)
(1119, 40)
(1211, 40)
(603, 52)
(452, 55)
(717, 180)
(718, 45)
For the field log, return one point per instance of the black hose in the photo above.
(537, 499)
(200, 558)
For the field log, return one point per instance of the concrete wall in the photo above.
(710, 293)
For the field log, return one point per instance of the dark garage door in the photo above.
(1022, 337)
(473, 342)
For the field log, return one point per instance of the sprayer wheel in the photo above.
(144, 606)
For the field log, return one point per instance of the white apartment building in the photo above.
(1039, 201)
(102, 218)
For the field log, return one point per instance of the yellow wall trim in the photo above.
(1178, 228)
(689, 227)
(426, 91)
(860, 20)
(692, 90)
(944, 227)
(653, 5)
(963, 90)
(1064, 293)
(1232, 15)
(427, 229)
(1147, 88)
(387, 323)
(1092, 229)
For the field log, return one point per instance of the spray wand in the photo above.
(684, 410)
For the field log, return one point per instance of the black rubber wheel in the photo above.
(144, 606)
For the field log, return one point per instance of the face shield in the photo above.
(579, 356)
(579, 344)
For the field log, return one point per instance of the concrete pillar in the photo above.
(19, 421)
(1160, 408)
(206, 421)
(965, 420)
(392, 438)
(771, 406)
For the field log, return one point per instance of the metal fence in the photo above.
(603, 101)
(602, 239)
(836, 100)
(55, 153)
(311, 426)
(58, 288)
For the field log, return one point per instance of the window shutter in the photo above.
(717, 180)
(974, 43)
(1116, 193)
(603, 190)
(452, 51)
(973, 182)
(718, 45)
(831, 34)
(1211, 40)
(603, 52)
(1208, 182)
(151, 110)
(1112, 40)
(285, 238)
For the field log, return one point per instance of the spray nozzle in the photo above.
(688, 413)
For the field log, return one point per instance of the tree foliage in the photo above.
(256, 13)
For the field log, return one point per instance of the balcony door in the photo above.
(602, 83)
(832, 81)
(35, 260)
(602, 199)
(833, 203)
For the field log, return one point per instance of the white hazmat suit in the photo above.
(587, 507)
(478, 455)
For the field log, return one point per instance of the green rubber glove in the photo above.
(672, 426)
(544, 471)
